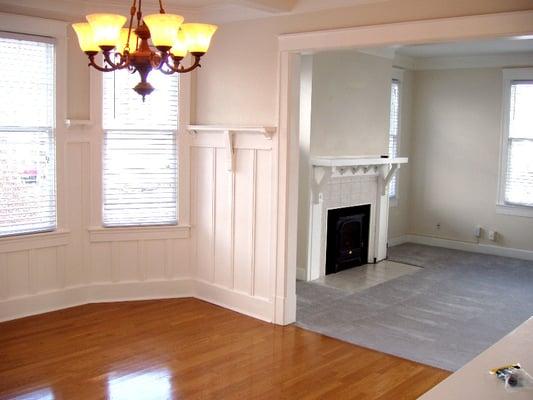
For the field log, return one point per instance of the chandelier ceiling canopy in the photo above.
(129, 47)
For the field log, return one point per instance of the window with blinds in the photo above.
(27, 144)
(140, 180)
(394, 131)
(519, 171)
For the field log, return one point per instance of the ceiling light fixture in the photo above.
(129, 48)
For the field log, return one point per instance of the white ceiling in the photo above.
(218, 11)
(469, 48)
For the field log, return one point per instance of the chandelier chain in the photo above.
(139, 14)
(133, 10)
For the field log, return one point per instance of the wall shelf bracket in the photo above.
(229, 132)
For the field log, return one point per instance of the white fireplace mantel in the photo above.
(326, 167)
(343, 182)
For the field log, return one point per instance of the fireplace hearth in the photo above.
(347, 238)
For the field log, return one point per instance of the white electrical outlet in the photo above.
(493, 235)
(477, 231)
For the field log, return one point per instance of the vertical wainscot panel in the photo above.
(126, 263)
(203, 200)
(45, 271)
(179, 264)
(18, 274)
(101, 262)
(244, 211)
(263, 219)
(155, 259)
(223, 222)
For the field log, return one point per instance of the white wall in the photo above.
(351, 103)
(455, 157)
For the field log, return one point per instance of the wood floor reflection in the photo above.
(189, 349)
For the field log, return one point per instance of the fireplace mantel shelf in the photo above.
(356, 161)
(325, 167)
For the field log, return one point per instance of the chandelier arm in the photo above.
(161, 9)
(163, 60)
(168, 70)
(99, 68)
(124, 60)
(180, 69)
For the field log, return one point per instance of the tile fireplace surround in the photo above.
(345, 182)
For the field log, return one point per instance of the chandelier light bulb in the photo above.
(198, 36)
(179, 47)
(85, 37)
(163, 29)
(106, 28)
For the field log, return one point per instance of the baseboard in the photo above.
(285, 312)
(464, 246)
(20, 307)
(396, 241)
(249, 305)
(147, 290)
(301, 274)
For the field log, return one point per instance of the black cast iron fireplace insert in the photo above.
(347, 238)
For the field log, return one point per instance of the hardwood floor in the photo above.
(189, 349)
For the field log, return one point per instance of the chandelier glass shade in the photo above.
(158, 42)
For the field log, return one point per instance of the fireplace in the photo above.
(340, 185)
(347, 238)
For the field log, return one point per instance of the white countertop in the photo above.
(473, 381)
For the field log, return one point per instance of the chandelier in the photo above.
(129, 48)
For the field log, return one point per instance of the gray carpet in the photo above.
(444, 315)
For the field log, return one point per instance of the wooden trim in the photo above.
(121, 234)
(425, 31)
(34, 241)
(266, 131)
(33, 25)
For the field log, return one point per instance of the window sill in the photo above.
(517, 211)
(60, 237)
(121, 234)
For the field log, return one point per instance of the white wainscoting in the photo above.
(231, 222)
(224, 257)
(78, 264)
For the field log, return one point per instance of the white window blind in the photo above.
(519, 172)
(140, 181)
(394, 130)
(27, 145)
